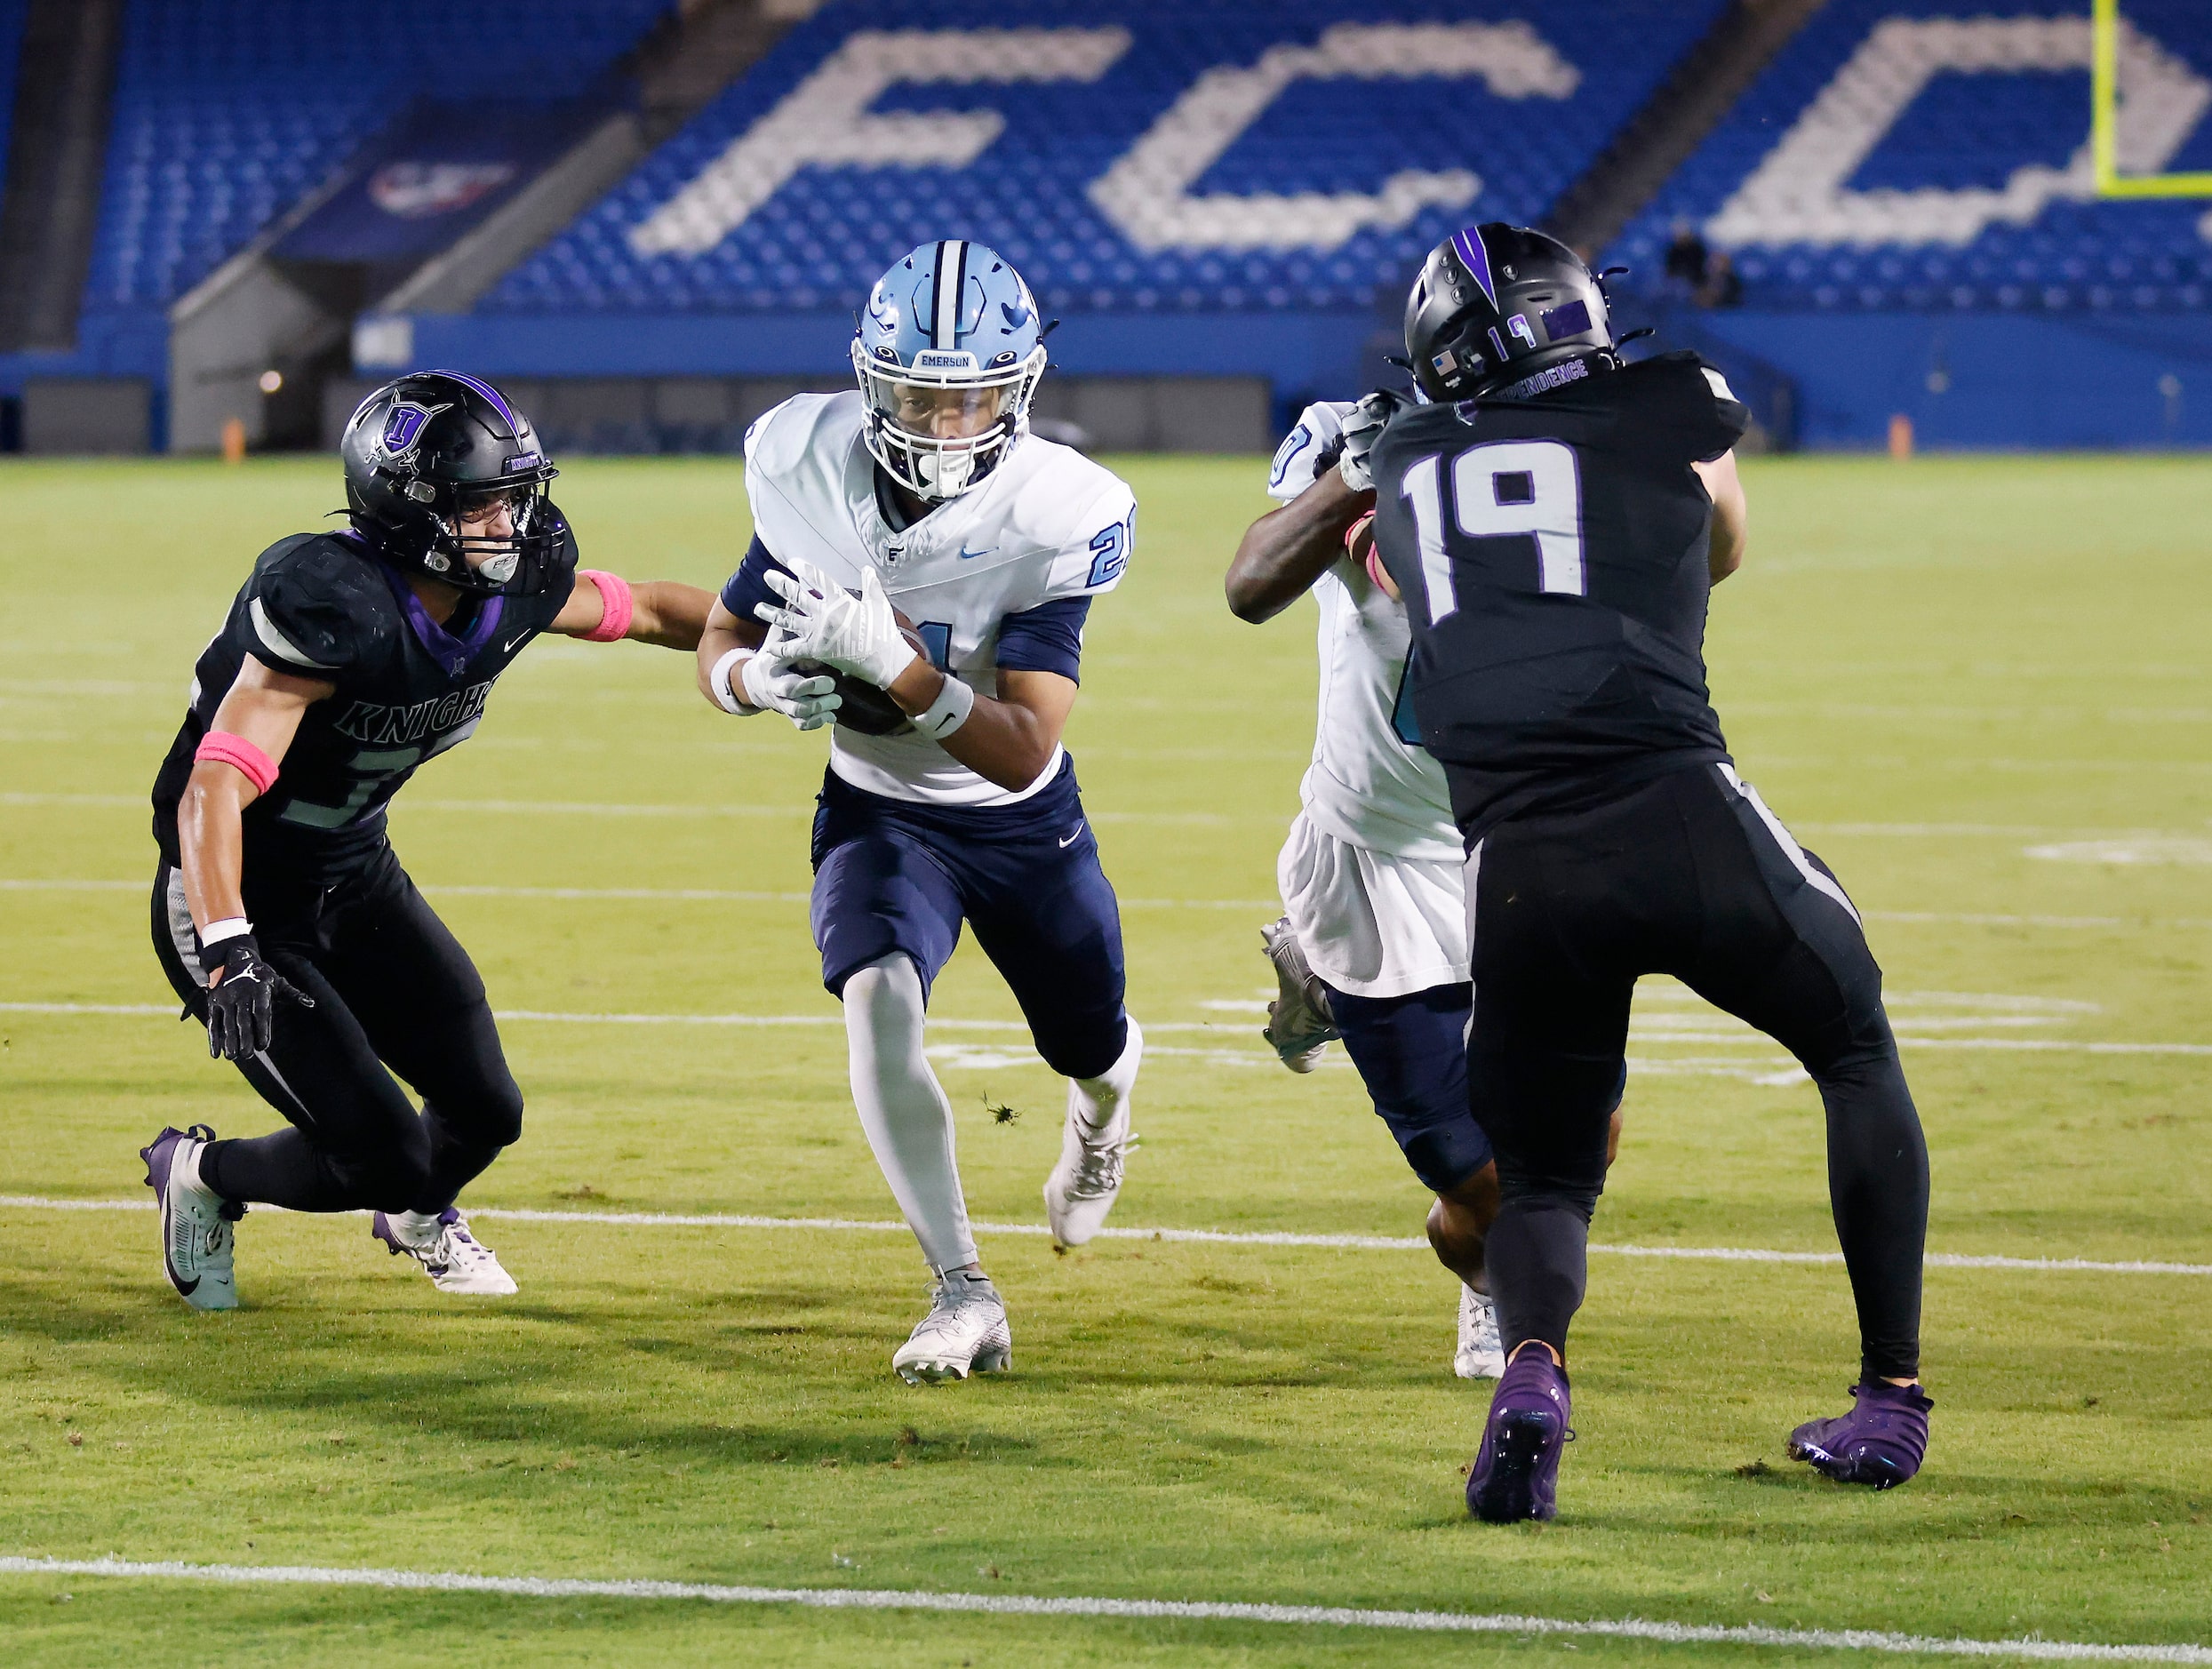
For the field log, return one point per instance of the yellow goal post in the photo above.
(2104, 120)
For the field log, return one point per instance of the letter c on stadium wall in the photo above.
(1146, 193)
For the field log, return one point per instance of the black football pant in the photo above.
(1689, 876)
(391, 987)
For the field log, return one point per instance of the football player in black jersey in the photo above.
(281, 914)
(1554, 518)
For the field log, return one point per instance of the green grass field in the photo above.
(1979, 688)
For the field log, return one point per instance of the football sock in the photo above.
(1538, 1259)
(1097, 1100)
(903, 1108)
(1878, 1189)
(283, 1168)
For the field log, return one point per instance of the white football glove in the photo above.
(826, 622)
(767, 680)
(1362, 428)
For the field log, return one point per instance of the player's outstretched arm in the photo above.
(1286, 550)
(1731, 516)
(660, 611)
(237, 762)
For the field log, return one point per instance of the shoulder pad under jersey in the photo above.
(316, 606)
(1077, 511)
(796, 458)
(1295, 466)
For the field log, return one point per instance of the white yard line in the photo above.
(1188, 1236)
(1149, 1611)
(1949, 918)
(2041, 1045)
(680, 894)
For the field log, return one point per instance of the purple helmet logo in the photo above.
(403, 429)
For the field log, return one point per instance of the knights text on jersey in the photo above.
(1046, 526)
(322, 606)
(1552, 551)
(1371, 784)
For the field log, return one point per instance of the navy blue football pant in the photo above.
(1411, 1053)
(1689, 875)
(393, 989)
(899, 876)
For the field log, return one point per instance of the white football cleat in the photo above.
(965, 1329)
(455, 1260)
(1299, 1025)
(1085, 1184)
(1482, 1354)
(196, 1235)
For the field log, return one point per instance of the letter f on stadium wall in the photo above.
(1147, 194)
(824, 120)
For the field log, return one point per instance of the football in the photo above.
(861, 705)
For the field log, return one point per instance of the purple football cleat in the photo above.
(1516, 1473)
(1879, 1442)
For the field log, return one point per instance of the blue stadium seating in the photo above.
(10, 45)
(820, 239)
(226, 112)
(1994, 94)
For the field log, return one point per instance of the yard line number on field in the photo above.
(1148, 1610)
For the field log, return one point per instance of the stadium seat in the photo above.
(1130, 154)
(228, 112)
(1961, 138)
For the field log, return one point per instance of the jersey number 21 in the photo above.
(1504, 489)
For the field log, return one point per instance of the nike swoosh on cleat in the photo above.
(1072, 839)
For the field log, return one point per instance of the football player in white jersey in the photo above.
(1371, 949)
(921, 569)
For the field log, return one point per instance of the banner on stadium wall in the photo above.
(434, 173)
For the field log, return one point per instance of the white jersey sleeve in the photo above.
(1048, 524)
(1320, 426)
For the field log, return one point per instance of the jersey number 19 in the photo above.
(1503, 489)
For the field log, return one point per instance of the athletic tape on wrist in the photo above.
(955, 702)
(230, 927)
(221, 745)
(723, 687)
(614, 591)
(1351, 534)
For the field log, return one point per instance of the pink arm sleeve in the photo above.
(621, 606)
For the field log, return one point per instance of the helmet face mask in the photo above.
(1498, 306)
(432, 456)
(948, 356)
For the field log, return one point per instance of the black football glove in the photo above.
(1363, 425)
(241, 1005)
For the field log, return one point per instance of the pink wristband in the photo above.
(615, 592)
(259, 767)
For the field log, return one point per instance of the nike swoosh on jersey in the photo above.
(965, 552)
(509, 648)
(1072, 839)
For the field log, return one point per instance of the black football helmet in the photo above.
(1499, 305)
(432, 447)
